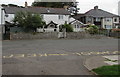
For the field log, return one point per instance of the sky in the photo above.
(84, 5)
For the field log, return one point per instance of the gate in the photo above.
(6, 33)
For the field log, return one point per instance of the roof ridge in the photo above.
(45, 7)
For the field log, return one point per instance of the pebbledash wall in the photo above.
(52, 35)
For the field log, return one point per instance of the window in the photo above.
(108, 26)
(77, 26)
(108, 19)
(98, 19)
(89, 19)
(115, 20)
(60, 17)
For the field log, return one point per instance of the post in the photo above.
(0, 43)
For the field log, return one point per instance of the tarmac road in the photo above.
(52, 57)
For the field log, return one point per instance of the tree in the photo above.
(52, 4)
(28, 21)
(13, 5)
(68, 27)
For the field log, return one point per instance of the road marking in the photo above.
(42, 55)
(53, 54)
(116, 52)
(19, 55)
(31, 55)
(78, 54)
(62, 54)
(10, 56)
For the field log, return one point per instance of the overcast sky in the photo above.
(84, 5)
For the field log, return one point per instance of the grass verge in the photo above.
(108, 71)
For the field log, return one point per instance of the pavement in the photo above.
(99, 61)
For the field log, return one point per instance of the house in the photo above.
(53, 17)
(99, 17)
(77, 25)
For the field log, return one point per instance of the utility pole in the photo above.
(1, 29)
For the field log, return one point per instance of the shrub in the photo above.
(68, 27)
(92, 29)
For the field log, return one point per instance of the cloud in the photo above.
(108, 5)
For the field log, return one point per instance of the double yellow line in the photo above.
(45, 54)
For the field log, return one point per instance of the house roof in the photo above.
(78, 16)
(39, 10)
(52, 23)
(99, 13)
(96, 13)
(76, 21)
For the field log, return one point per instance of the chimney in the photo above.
(65, 7)
(26, 4)
(96, 7)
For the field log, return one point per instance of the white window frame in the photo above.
(60, 17)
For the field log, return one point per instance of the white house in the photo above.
(56, 15)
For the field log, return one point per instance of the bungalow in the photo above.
(99, 17)
(77, 25)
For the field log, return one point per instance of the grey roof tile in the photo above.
(99, 13)
(39, 10)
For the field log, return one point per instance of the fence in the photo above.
(106, 32)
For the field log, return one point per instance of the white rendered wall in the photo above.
(50, 17)
(10, 17)
(46, 17)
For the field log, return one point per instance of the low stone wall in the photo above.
(82, 35)
(52, 35)
(21, 36)
(78, 35)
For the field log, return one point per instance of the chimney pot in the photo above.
(26, 4)
(96, 7)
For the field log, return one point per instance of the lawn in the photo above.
(108, 71)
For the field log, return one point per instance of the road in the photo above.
(53, 57)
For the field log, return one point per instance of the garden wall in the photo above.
(22, 36)
(52, 35)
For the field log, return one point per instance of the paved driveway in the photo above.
(53, 57)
